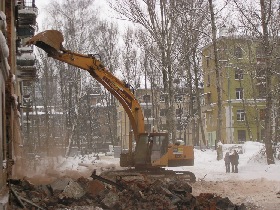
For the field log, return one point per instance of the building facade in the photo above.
(154, 111)
(242, 90)
(15, 17)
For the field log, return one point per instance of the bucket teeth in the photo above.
(49, 40)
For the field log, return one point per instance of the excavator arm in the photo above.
(51, 42)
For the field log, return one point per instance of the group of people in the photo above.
(231, 159)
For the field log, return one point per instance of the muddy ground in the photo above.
(256, 194)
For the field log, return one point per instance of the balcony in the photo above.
(26, 69)
(26, 59)
(27, 15)
(26, 19)
(25, 31)
(26, 72)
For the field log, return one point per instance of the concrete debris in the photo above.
(110, 200)
(60, 184)
(102, 193)
(72, 190)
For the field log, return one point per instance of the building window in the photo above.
(179, 112)
(262, 90)
(238, 52)
(179, 98)
(147, 98)
(162, 112)
(260, 71)
(163, 127)
(262, 114)
(148, 127)
(239, 74)
(147, 112)
(162, 98)
(208, 98)
(179, 126)
(241, 134)
(210, 119)
(207, 61)
(240, 115)
(208, 80)
(239, 93)
(260, 52)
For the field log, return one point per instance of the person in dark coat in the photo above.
(235, 161)
(231, 160)
(227, 162)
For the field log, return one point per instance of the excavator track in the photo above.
(152, 174)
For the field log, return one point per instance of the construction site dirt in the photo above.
(70, 185)
(137, 192)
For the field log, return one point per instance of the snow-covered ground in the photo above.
(257, 184)
(252, 165)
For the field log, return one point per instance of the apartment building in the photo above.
(242, 90)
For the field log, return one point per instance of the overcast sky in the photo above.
(42, 4)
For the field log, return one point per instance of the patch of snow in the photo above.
(3, 23)
(26, 56)
(252, 165)
(8, 68)
(4, 46)
(28, 11)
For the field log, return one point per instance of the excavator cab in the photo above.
(159, 145)
(149, 148)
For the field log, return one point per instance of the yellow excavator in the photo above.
(152, 150)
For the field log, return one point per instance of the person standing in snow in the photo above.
(235, 158)
(227, 162)
(231, 160)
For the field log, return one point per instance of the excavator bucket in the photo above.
(50, 41)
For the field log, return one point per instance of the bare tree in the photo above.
(130, 59)
(106, 40)
(73, 19)
(261, 27)
(217, 71)
(158, 19)
(192, 27)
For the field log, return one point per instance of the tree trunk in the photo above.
(265, 15)
(218, 74)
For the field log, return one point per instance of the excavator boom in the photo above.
(51, 42)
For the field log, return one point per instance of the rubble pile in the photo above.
(124, 193)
